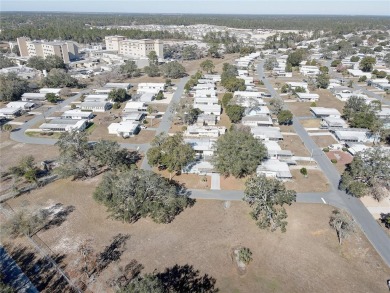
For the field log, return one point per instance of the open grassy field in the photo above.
(307, 258)
(323, 140)
(11, 152)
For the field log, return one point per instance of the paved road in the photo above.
(13, 274)
(373, 231)
(166, 120)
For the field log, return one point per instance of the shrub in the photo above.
(334, 161)
(313, 104)
(325, 150)
(245, 255)
(303, 171)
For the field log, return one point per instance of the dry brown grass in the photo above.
(11, 152)
(311, 123)
(286, 128)
(300, 109)
(190, 181)
(315, 182)
(307, 258)
(343, 158)
(194, 65)
(232, 183)
(324, 140)
(294, 144)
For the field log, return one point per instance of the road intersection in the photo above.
(378, 238)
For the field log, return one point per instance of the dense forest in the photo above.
(77, 26)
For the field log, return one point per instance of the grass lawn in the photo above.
(307, 258)
(311, 123)
(232, 183)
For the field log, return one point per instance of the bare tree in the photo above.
(342, 223)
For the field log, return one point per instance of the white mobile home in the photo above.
(77, 114)
(321, 112)
(61, 125)
(124, 128)
(95, 106)
(306, 97)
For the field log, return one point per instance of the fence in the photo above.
(41, 247)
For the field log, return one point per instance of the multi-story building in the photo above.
(134, 48)
(68, 51)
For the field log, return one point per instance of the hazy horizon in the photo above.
(226, 7)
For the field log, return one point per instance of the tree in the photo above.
(270, 63)
(213, 51)
(160, 96)
(109, 154)
(324, 69)
(386, 59)
(353, 105)
(5, 62)
(16, 50)
(233, 84)
(277, 105)
(152, 70)
(296, 57)
(285, 117)
(54, 61)
(118, 95)
(245, 255)
(130, 69)
(136, 194)
(303, 171)
(207, 66)
(322, 80)
(7, 127)
(51, 98)
(335, 63)
(36, 62)
(362, 78)
(12, 87)
(173, 70)
(342, 223)
(24, 222)
(227, 97)
(26, 168)
(190, 52)
(355, 59)
(171, 152)
(235, 113)
(289, 67)
(385, 219)
(148, 284)
(153, 58)
(75, 157)
(267, 197)
(367, 63)
(238, 153)
(59, 78)
(369, 172)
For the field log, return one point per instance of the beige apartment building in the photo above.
(68, 51)
(134, 48)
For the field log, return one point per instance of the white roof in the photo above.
(307, 96)
(134, 105)
(19, 105)
(273, 165)
(124, 126)
(77, 112)
(33, 95)
(46, 90)
(9, 111)
(325, 111)
(151, 84)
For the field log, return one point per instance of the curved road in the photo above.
(373, 231)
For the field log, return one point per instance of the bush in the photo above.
(303, 171)
(184, 128)
(362, 78)
(325, 150)
(145, 121)
(245, 255)
(313, 104)
(345, 149)
(334, 161)
(116, 105)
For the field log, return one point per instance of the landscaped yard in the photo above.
(307, 258)
(343, 158)
(190, 181)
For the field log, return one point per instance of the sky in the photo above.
(332, 7)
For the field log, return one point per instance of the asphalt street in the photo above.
(373, 231)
